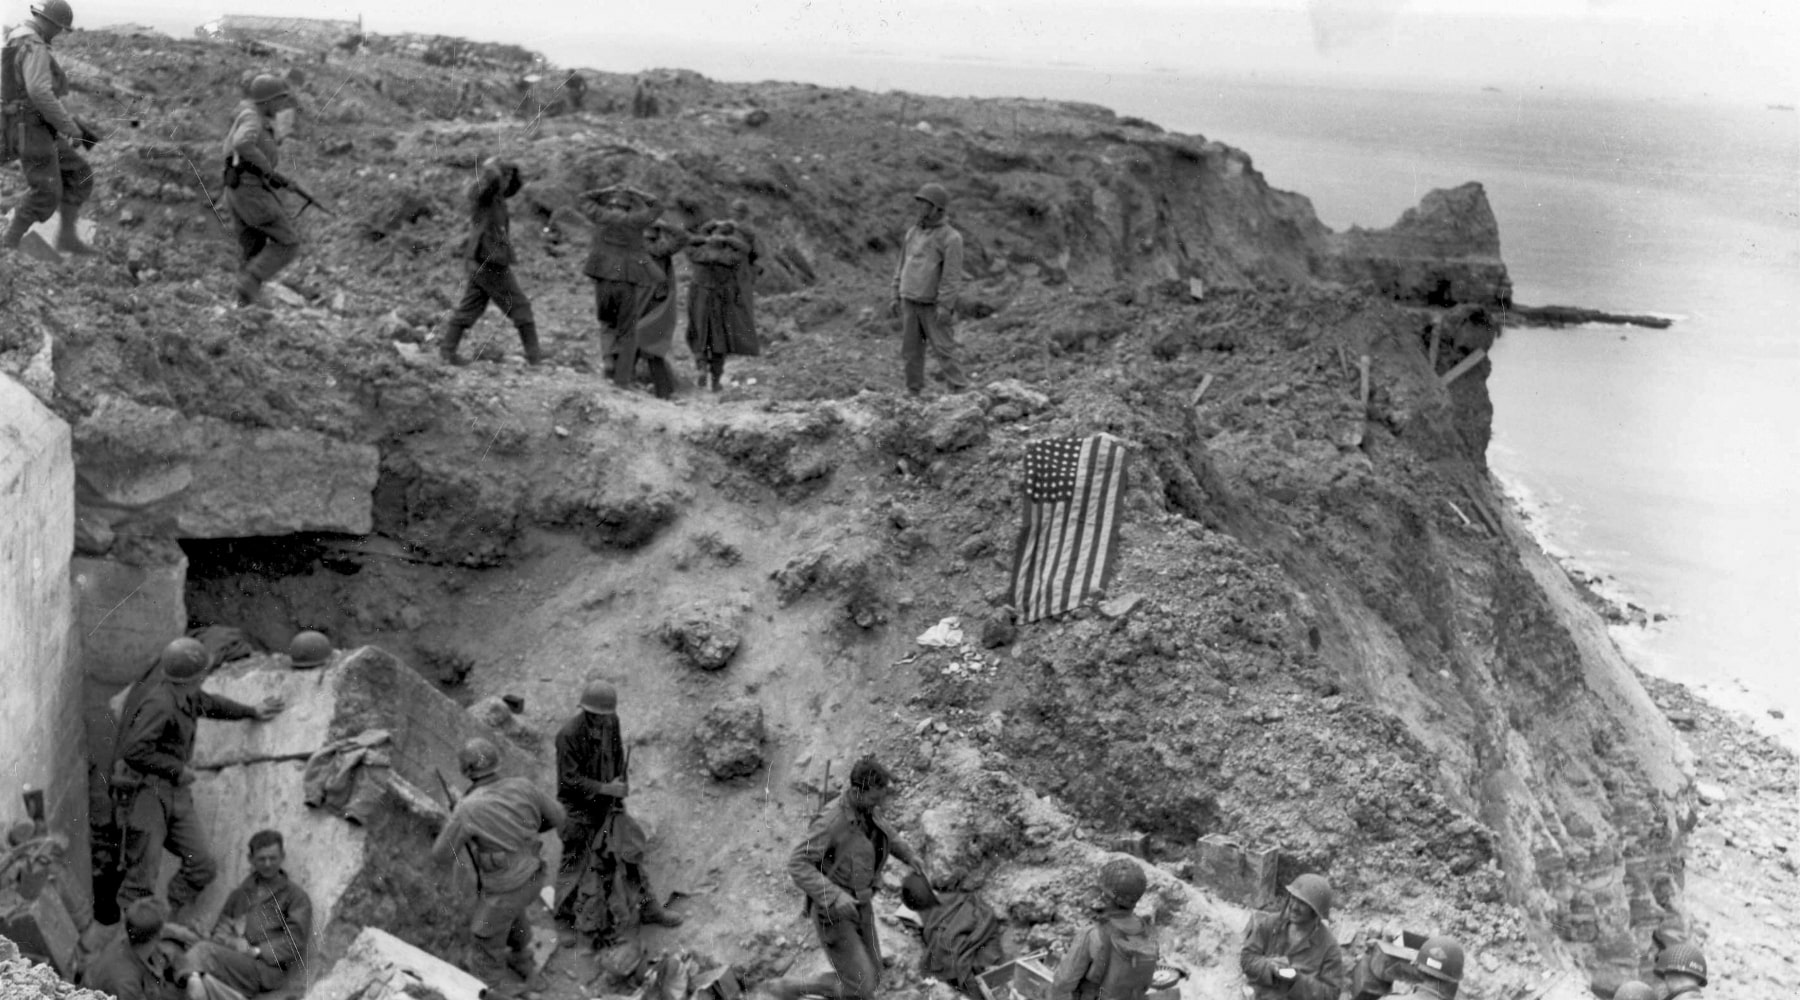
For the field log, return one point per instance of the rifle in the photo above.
(468, 848)
(279, 180)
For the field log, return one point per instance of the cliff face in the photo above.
(1341, 644)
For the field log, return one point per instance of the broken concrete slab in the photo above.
(380, 966)
(1242, 875)
(376, 874)
(160, 472)
(126, 615)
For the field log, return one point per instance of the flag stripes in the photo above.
(1068, 539)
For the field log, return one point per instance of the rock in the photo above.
(1446, 251)
(379, 964)
(399, 211)
(1710, 793)
(998, 630)
(731, 738)
(704, 633)
(393, 326)
(155, 471)
(1196, 289)
(1119, 607)
(956, 422)
(1011, 390)
(278, 292)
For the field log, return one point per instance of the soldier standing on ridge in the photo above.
(488, 258)
(591, 785)
(624, 275)
(266, 238)
(499, 820)
(718, 322)
(1116, 957)
(838, 867)
(156, 741)
(32, 87)
(1292, 953)
(926, 284)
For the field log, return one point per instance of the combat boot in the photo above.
(68, 238)
(15, 231)
(653, 912)
(453, 336)
(521, 965)
(249, 291)
(528, 338)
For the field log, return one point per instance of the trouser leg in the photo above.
(853, 951)
(40, 163)
(650, 909)
(912, 345)
(577, 837)
(145, 829)
(662, 377)
(502, 286)
(625, 346)
(716, 367)
(186, 839)
(468, 309)
(497, 924)
(940, 336)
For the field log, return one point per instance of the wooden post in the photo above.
(1463, 366)
(1363, 364)
(1434, 346)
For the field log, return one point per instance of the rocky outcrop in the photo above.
(730, 736)
(148, 470)
(1444, 252)
(704, 634)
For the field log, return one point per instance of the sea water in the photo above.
(1666, 461)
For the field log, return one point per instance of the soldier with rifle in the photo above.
(498, 822)
(600, 885)
(36, 128)
(267, 240)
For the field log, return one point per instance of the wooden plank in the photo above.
(1463, 366)
(1205, 384)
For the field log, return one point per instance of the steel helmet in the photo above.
(267, 87)
(600, 698)
(1123, 882)
(57, 12)
(478, 758)
(1440, 958)
(1633, 990)
(183, 659)
(1682, 957)
(309, 649)
(143, 920)
(1314, 891)
(934, 193)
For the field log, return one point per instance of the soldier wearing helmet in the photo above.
(497, 823)
(1681, 967)
(926, 284)
(838, 866)
(1291, 952)
(155, 744)
(1438, 967)
(32, 88)
(601, 844)
(309, 650)
(138, 964)
(1116, 956)
(266, 237)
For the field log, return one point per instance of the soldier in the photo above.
(719, 323)
(136, 965)
(591, 785)
(1292, 953)
(838, 866)
(488, 258)
(961, 934)
(32, 87)
(926, 284)
(1682, 969)
(263, 931)
(1116, 957)
(498, 821)
(267, 240)
(1437, 968)
(624, 276)
(156, 741)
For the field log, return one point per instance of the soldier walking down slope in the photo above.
(42, 132)
(1291, 952)
(926, 284)
(488, 258)
(497, 823)
(624, 276)
(156, 742)
(266, 237)
(838, 866)
(601, 888)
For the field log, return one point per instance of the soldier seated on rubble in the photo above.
(263, 931)
(138, 964)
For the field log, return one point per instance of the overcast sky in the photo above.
(1741, 50)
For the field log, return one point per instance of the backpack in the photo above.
(1127, 964)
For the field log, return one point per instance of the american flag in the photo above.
(1073, 491)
